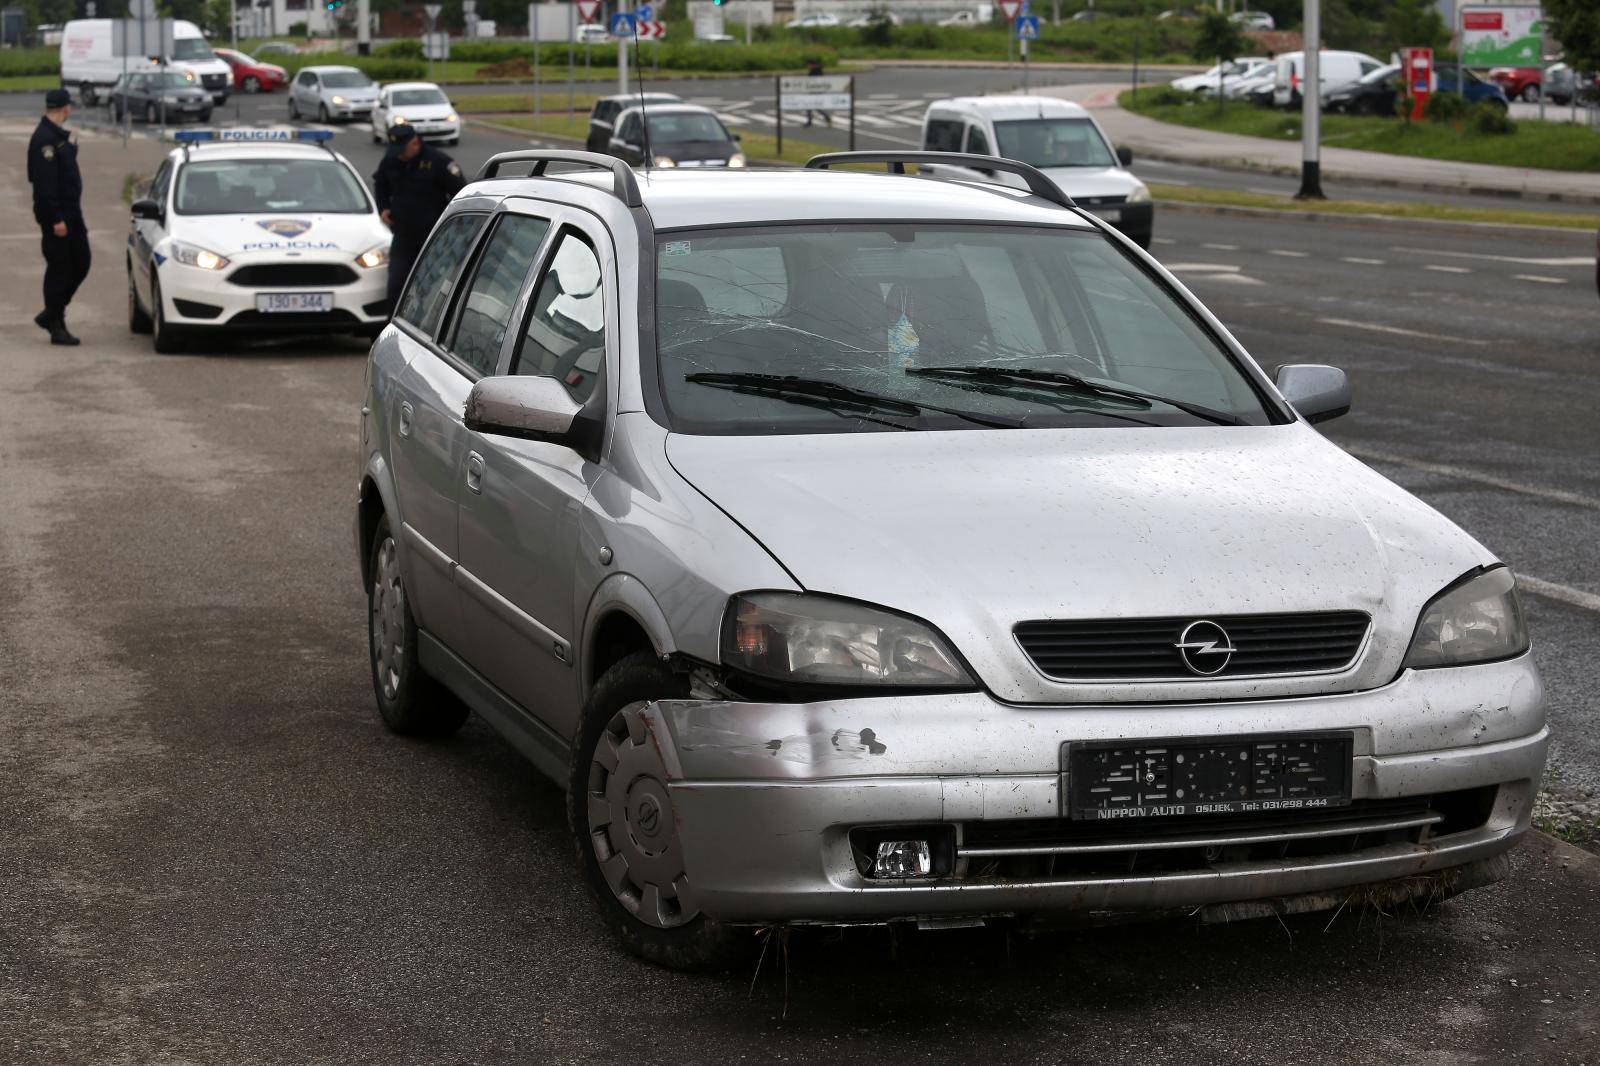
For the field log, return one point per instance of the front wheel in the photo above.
(410, 702)
(150, 115)
(322, 114)
(167, 341)
(138, 320)
(87, 95)
(294, 109)
(626, 831)
(252, 84)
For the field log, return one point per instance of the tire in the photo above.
(410, 702)
(625, 877)
(138, 318)
(116, 110)
(1530, 93)
(252, 84)
(294, 109)
(322, 114)
(205, 116)
(151, 115)
(165, 339)
(87, 96)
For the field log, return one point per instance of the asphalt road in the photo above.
(214, 853)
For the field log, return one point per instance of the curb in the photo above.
(1394, 221)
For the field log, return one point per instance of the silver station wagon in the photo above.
(862, 547)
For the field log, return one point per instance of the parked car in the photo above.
(873, 18)
(593, 33)
(1253, 20)
(160, 96)
(1519, 83)
(90, 63)
(1561, 83)
(818, 21)
(1255, 87)
(250, 75)
(1335, 70)
(961, 18)
(420, 104)
(1376, 93)
(1058, 137)
(331, 94)
(276, 48)
(1206, 81)
(674, 135)
(603, 116)
(714, 495)
(1478, 90)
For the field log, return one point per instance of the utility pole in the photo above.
(1311, 105)
(364, 27)
(622, 56)
(749, 19)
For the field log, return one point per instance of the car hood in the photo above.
(310, 235)
(425, 112)
(1085, 182)
(977, 531)
(365, 95)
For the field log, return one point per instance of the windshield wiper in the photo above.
(816, 392)
(1061, 379)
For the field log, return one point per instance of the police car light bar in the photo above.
(265, 134)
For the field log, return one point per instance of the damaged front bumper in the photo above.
(767, 797)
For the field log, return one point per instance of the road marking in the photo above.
(1162, 240)
(1560, 260)
(1288, 254)
(1400, 332)
(1540, 278)
(1222, 247)
(1363, 262)
(1208, 268)
(1447, 269)
(1576, 499)
(1237, 279)
(1564, 593)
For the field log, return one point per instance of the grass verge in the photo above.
(552, 99)
(1190, 194)
(27, 82)
(1543, 145)
(758, 147)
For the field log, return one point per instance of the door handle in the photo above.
(474, 472)
(405, 419)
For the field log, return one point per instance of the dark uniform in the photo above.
(415, 192)
(57, 192)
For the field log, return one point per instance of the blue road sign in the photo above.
(1028, 28)
(621, 24)
(644, 13)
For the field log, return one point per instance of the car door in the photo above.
(519, 515)
(426, 408)
(628, 143)
(147, 233)
(380, 113)
(305, 90)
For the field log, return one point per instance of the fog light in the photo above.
(903, 858)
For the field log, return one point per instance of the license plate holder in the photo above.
(1109, 214)
(1159, 778)
(293, 302)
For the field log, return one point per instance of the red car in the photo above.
(1519, 82)
(250, 75)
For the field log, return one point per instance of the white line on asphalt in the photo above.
(883, 96)
(1222, 247)
(1162, 240)
(1460, 473)
(1541, 278)
(1289, 254)
(1237, 279)
(1363, 262)
(1399, 332)
(1560, 260)
(1204, 268)
(1441, 269)
(1565, 593)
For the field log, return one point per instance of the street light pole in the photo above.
(1311, 105)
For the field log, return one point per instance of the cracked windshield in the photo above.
(809, 329)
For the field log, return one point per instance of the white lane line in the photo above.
(1363, 262)
(872, 120)
(1236, 279)
(1576, 499)
(1288, 254)
(1204, 268)
(1222, 247)
(1540, 278)
(1560, 260)
(1153, 240)
(1399, 332)
(1442, 269)
(1564, 593)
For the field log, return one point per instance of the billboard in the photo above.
(1501, 36)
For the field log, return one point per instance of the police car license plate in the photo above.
(271, 302)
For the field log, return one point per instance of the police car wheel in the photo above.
(166, 340)
(410, 702)
(138, 320)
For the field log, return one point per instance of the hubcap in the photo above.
(631, 824)
(388, 620)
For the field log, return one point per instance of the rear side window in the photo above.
(566, 333)
(433, 278)
(943, 135)
(977, 140)
(492, 295)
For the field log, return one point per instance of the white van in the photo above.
(91, 62)
(1337, 70)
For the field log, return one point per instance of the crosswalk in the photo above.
(882, 111)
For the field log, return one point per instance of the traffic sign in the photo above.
(1010, 9)
(588, 9)
(432, 10)
(652, 31)
(621, 24)
(1028, 28)
(644, 13)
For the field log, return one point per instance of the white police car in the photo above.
(255, 230)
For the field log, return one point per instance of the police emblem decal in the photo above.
(48, 152)
(284, 227)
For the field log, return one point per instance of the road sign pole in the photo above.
(622, 59)
(1024, 64)
(777, 111)
(572, 31)
(533, 19)
(1311, 106)
(852, 112)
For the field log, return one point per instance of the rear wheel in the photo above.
(410, 702)
(1530, 93)
(86, 95)
(138, 320)
(166, 339)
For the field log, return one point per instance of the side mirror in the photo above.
(147, 209)
(533, 408)
(1125, 156)
(1318, 393)
(738, 137)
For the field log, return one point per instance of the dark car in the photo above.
(1378, 92)
(602, 120)
(679, 135)
(160, 96)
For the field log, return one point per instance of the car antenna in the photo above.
(644, 117)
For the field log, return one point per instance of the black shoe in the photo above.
(42, 320)
(59, 335)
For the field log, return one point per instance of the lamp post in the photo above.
(1311, 106)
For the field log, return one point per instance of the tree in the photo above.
(1220, 39)
(1576, 24)
(215, 18)
(1415, 24)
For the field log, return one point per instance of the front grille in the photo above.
(194, 309)
(288, 275)
(214, 81)
(1147, 648)
(337, 319)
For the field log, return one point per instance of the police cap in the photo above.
(401, 133)
(57, 98)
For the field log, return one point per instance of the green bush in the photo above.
(378, 68)
(26, 61)
(410, 48)
(1165, 96)
(1492, 119)
(1445, 107)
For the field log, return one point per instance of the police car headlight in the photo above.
(374, 257)
(195, 256)
(1139, 195)
(665, 161)
(736, 160)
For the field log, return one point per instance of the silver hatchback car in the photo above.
(862, 547)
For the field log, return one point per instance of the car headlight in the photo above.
(452, 117)
(195, 256)
(805, 639)
(395, 120)
(736, 159)
(338, 100)
(665, 161)
(374, 257)
(1474, 621)
(1140, 194)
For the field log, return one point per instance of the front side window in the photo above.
(566, 333)
(486, 309)
(191, 49)
(345, 79)
(943, 135)
(1054, 142)
(432, 279)
(307, 78)
(629, 133)
(266, 186)
(940, 327)
(977, 140)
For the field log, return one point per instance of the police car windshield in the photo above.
(267, 186)
(418, 97)
(191, 48)
(346, 79)
(690, 126)
(1054, 142)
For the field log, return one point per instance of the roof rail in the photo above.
(1038, 184)
(627, 187)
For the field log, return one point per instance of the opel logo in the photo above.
(649, 815)
(1205, 648)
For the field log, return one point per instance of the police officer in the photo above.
(414, 184)
(57, 190)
